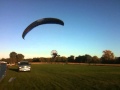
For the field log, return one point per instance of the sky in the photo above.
(90, 27)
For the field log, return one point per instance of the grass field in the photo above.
(63, 77)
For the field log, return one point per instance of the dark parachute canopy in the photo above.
(40, 22)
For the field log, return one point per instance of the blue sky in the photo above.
(91, 26)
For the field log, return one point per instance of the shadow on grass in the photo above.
(13, 69)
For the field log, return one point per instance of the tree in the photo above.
(117, 60)
(108, 57)
(64, 59)
(19, 57)
(88, 58)
(83, 59)
(61, 59)
(58, 59)
(13, 57)
(95, 59)
(71, 58)
(78, 59)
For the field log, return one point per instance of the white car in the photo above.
(24, 66)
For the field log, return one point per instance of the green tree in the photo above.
(13, 58)
(58, 59)
(95, 59)
(88, 58)
(64, 59)
(108, 57)
(20, 57)
(71, 58)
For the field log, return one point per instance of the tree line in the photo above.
(107, 58)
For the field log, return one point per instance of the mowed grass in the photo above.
(63, 77)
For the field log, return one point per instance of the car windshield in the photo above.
(24, 63)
